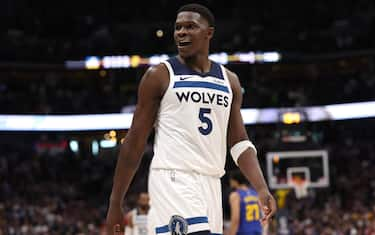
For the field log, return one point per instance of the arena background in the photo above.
(87, 57)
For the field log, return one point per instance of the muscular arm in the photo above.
(248, 161)
(150, 92)
(234, 202)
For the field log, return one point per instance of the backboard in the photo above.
(308, 165)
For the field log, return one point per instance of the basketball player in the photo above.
(244, 207)
(136, 219)
(194, 105)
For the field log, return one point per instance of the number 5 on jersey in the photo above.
(203, 116)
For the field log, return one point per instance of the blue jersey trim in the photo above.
(181, 69)
(193, 220)
(208, 85)
(163, 229)
(197, 220)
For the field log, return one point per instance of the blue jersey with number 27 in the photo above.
(250, 213)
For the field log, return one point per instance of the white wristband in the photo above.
(239, 148)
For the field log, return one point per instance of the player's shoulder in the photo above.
(155, 79)
(233, 79)
(130, 213)
(230, 73)
(232, 76)
(129, 218)
(158, 71)
(234, 196)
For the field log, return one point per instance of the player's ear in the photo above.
(210, 32)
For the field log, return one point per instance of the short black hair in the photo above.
(238, 176)
(202, 10)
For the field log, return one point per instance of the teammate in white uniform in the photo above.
(194, 105)
(136, 219)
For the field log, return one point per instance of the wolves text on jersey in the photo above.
(203, 97)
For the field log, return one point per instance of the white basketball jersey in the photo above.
(139, 224)
(191, 126)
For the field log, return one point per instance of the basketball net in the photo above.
(300, 187)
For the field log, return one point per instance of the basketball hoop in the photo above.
(299, 179)
(300, 187)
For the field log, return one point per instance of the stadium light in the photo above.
(133, 61)
(123, 120)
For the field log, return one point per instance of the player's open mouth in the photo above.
(183, 44)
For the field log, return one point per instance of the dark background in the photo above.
(328, 58)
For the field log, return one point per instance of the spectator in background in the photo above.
(136, 219)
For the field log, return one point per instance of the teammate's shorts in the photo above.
(184, 202)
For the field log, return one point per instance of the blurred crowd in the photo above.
(42, 31)
(346, 207)
(42, 194)
(59, 92)
(113, 91)
(44, 191)
(340, 80)
(46, 188)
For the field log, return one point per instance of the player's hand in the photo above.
(115, 220)
(268, 205)
(117, 230)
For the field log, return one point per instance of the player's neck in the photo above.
(142, 211)
(199, 63)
